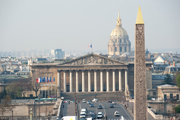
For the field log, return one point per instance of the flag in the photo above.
(44, 79)
(47, 79)
(50, 79)
(90, 46)
(37, 80)
(53, 79)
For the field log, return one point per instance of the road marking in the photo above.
(125, 111)
(104, 108)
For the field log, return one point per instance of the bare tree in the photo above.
(5, 106)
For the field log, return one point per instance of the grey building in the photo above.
(58, 53)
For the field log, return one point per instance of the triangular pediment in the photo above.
(93, 59)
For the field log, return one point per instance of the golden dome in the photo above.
(119, 31)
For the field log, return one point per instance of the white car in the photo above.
(100, 115)
(116, 113)
(82, 115)
(114, 102)
(84, 110)
(95, 100)
(83, 101)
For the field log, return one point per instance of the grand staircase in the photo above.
(90, 95)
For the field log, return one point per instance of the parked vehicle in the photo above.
(116, 113)
(100, 107)
(88, 102)
(109, 101)
(100, 115)
(91, 105)
(83, 101)
(111, 106)
(114, 102)
(95, 100)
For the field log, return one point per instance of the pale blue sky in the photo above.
(74, 24)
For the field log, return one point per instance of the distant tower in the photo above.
(119, 40)
(140, 103)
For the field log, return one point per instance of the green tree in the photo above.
(167, 79)
(177, 109)
(14, 89)
(178, 81)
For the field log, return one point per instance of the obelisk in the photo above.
(140, 104)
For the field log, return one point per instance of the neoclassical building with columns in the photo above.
(90, 73)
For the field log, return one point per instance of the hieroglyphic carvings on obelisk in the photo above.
(140, 104)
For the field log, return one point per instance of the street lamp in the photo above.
(12, 115)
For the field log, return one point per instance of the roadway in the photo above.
(107, 111)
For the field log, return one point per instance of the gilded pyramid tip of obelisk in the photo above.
(139, 19)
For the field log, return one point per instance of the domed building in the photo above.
(119, 40)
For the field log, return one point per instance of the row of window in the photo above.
(120, 41)
(117, 50)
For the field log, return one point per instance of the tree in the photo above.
(5, 105)
(167, 79)
(14, 89)
(178, 81)
(177, 109)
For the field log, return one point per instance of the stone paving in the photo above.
(69, 109)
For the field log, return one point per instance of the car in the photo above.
(116, 113)
(100, 107)
(109, 101)
(91, 105)
(100, 115)
(83, 101)
(114, 102)
(91, 112)
(95, 100)
(84, 110)
(111, 106)
(82, 115)
(93, 116)
(88, 102)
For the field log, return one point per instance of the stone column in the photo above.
(59, 83)
(77, 82)
(95, 81)
(64, 81)
(89, 81)
(83, 82)
(114, 87)
(101, 81)
(70, 75)
(120, 86)
(107, 80)
(126, 81)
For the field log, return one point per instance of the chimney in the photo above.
(174, 63)
(155, 55)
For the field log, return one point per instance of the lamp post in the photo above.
(31, 114)
(39, 107)
(12, 115)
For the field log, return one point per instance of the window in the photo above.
(115, 49)
(120, 40)
(154, 93)
(120, 49)
(171, 96)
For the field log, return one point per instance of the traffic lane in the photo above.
(85, 105)
(110, 111)
(124, 112)
(117, 107)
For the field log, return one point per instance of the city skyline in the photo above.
(73, 25)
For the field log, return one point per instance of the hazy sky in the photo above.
(74, 24)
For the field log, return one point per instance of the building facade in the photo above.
(119, 40)
(90, 73)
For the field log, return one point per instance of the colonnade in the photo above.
(89, 81)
